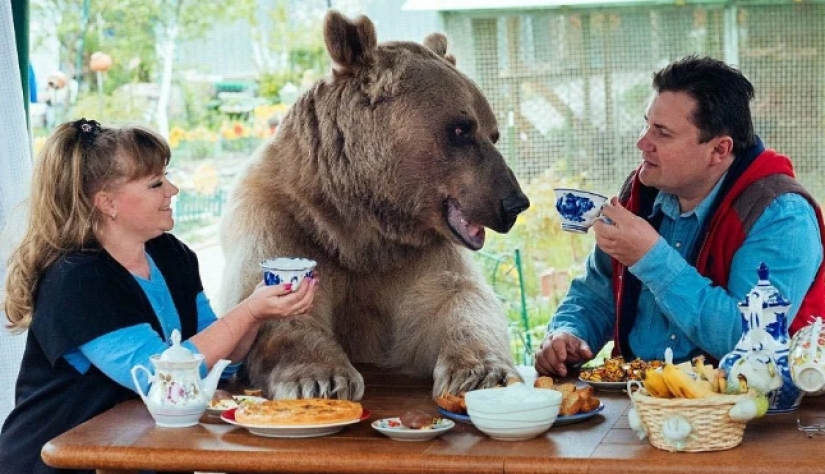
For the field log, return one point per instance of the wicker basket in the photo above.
(711, 427)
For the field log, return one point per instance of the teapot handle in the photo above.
(138, 387)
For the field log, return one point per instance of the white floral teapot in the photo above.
(178, 396)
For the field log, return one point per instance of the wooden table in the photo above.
(125, 439)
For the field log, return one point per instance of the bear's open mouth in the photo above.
(471, 234)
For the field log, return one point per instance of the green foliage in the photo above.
(118, 108)
(543, 245)
(538, 231)
(270, 84)
(196, 109)
(127, 30)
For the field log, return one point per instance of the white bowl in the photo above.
(513, 413)
(510, 424)
(517, 398)
(514, 434)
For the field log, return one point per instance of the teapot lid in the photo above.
(177, 353)
(771, 297)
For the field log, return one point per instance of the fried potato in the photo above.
(452, 403)
(571, 404)
(574, 399)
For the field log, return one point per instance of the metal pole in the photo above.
(20, 18)
(99, 92)
(81, 42)
(525, 319)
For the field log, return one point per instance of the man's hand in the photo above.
(627, 238)
(558, 350)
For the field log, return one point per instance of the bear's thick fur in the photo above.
(385, 173)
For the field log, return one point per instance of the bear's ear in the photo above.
(350, 43)
(438, 43)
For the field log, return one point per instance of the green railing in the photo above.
(506, 275)
(189, 206)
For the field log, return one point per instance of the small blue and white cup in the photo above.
(578, 209)
(287, 270)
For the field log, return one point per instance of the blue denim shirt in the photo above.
(678, 307)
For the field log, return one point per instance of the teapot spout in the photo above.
(210, 383)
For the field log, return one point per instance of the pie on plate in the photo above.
(293, 431)
(309, 411)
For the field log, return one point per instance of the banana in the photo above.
(654, 384)
(682, 385)
(706, 385)
(743, 383)
(705, 371)
(721, 381)
(738, 388)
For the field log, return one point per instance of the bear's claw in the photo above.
(316, 381)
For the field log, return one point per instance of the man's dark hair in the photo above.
(722, 96)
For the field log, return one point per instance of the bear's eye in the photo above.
(460, 132)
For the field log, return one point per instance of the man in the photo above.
(680, 246)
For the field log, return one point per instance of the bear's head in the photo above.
(404, 142)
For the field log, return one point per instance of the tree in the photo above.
(81, 27)
(141, 33)
(187, 20)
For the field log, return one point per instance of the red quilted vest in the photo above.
(769, 175)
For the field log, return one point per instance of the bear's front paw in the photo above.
(315, 380)
(462, 372)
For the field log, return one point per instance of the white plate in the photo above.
(292, 431)
(234, 402)
(393, 428)
(578, 417)
(606, 386)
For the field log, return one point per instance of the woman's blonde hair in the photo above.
(79, 159)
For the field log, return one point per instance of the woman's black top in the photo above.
(80, 297)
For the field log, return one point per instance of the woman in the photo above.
(101, 285)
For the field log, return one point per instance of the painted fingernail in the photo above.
(288, 286)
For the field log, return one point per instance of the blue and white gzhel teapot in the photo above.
(761, 355)
(177, 395)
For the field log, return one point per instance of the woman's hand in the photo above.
(279, 301)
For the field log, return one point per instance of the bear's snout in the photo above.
(515, 205)
(511, 207)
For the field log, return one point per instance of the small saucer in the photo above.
(393, 428)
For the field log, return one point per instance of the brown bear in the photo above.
(386, 173)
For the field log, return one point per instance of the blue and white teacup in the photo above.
(578, 209)
(283, 270)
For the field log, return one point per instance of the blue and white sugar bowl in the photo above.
(762, 353)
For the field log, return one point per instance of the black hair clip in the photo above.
(87, 130)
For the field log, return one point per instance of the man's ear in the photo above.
(722, 148)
